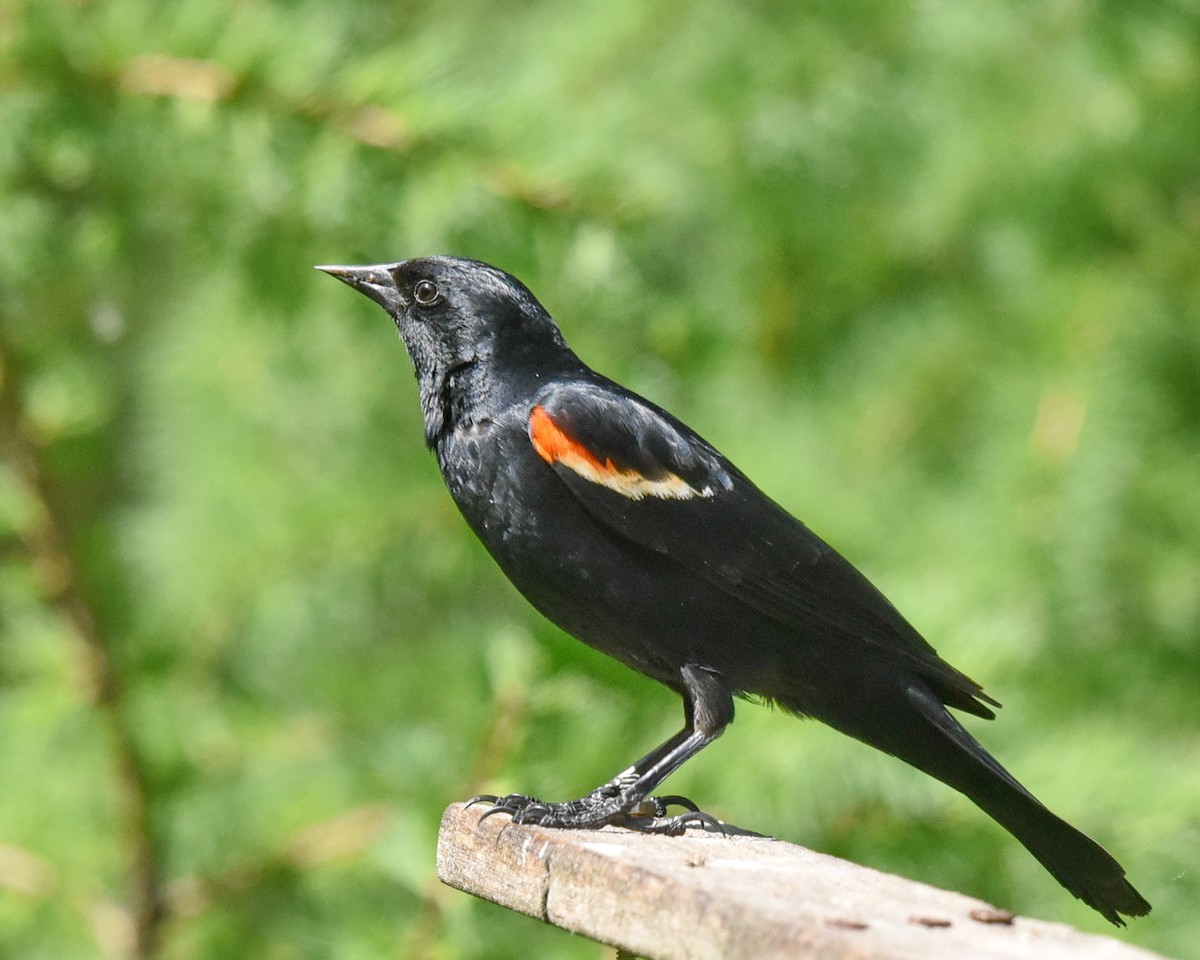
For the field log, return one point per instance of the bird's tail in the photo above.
(945, 750)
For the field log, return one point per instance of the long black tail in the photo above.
(905, 718)
(938, 744)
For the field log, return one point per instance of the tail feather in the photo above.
(1086, 869)
(1076, 861)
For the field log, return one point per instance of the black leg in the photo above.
(630, 775)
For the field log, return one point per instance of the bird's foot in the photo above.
(603, 806)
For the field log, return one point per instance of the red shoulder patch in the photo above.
(555, 445)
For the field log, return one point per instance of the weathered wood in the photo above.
(740, 896)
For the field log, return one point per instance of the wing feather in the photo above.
(647, 477)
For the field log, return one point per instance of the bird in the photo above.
(634, 535)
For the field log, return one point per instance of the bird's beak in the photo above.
(375, 282)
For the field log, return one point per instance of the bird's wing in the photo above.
(645, 476)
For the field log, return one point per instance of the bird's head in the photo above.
(470, 329)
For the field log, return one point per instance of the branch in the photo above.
(737, 896)
(59, 581)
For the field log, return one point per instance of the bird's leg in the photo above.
(708, 707)
(631, 774)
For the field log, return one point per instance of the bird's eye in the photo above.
(425, 292)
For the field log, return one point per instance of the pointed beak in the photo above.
(375, 282)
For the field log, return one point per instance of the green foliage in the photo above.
(927, 271)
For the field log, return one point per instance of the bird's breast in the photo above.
(552, 550)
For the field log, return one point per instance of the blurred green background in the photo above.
(928, 270)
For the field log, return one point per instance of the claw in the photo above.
(533, 813)
(493, 811)
(673, 826)
(520, 808)
(482, 798)
(698, 818)
(674, 800)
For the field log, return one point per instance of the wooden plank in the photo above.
(740, 896)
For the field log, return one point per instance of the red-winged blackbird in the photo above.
(634, 535)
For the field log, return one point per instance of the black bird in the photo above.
(634, 535)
